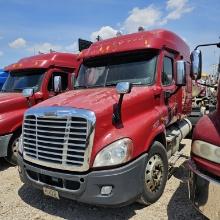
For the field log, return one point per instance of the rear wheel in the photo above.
(155, 176)
(13, 149)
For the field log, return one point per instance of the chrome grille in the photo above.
(58, 141)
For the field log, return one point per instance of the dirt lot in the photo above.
(21, 202)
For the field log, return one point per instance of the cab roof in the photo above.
(56, 59)
(154, 39)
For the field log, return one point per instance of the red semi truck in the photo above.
(204, 165)
(109, 142)
(39, 77)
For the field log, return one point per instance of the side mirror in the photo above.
(181, 73)
(28, 92)
(57, 84)
(123, 87)
(196, 64)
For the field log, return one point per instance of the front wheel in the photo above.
(13, 149)
(155, 176)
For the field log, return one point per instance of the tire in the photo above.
(155, 174)
(13, 149)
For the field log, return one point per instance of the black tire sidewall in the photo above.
(159, 149)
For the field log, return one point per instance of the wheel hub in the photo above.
(15, 146)
(154, 173)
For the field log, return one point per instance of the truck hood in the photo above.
(97, 99)
(11, 102)
(207, 129)
(136, 106)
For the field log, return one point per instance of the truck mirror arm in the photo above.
(121, 88)
(205, 45)
(116, 117)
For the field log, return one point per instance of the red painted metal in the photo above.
(157, 39)
(208, 130)
(206, 165)
(144, 111)
(55, 59)
(13, 105)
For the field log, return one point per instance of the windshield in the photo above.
(138, 69)
(17, 81)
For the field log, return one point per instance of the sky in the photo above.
(30, 26)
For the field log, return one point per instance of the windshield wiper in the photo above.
(111, 84)
(93, 86)
(79, 87)
(17, 89)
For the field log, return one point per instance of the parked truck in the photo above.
(111, 140)
(204, 97)
(31, 80)
(204, 165)
(3, 77)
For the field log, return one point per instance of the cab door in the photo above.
(169, 87)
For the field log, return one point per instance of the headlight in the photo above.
(116, 153)
(20, 145)
(207, 151)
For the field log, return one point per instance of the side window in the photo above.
(64, 81)
(167, 74)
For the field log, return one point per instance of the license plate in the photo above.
(51, 192)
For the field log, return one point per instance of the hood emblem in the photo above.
(50, 114)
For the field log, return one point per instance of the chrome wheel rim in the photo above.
(15, 147)
(154, 173)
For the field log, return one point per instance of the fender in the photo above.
(11, 121)
(142, 132)
(160, 130)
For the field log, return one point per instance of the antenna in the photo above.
(98, 38)
(118, 34)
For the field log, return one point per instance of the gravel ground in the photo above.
(22, 202)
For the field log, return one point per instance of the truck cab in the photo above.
(204, 164)
(3, 77)
(31, 80)
(110, 141)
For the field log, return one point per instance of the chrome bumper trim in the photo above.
(204, 192)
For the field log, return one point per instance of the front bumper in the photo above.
(126, 182)
(204, 192)
(4, 141)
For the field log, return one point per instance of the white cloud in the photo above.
(44, 47)
(146, 17)
(72, 47)
(177, 8)
(1, 53)
(104, 32)
(18, 43)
